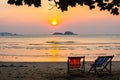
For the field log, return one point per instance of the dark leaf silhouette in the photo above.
(110, 5)
(36, 3)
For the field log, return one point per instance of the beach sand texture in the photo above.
(49, 71)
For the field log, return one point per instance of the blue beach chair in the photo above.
(102, 64)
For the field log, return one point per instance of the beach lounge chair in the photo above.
(76, 64)
(102, 64)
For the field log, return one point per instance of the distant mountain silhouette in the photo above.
(69, 33)
(7, 34)
(65, 33)
(58, 33)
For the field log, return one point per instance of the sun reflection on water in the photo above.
(54, 52)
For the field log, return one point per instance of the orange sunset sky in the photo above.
(79, 19)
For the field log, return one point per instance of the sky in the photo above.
(79, 19)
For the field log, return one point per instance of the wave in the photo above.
(60, 47)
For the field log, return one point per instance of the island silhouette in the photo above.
(65, 33)
(7, 34)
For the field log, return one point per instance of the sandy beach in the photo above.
(49, 71)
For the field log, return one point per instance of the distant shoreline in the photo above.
(7, 34)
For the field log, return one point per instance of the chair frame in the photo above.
(81, 65)
(106, 65)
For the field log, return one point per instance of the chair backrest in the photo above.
(101, 60)
(74, 62)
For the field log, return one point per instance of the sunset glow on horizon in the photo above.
(18, 19)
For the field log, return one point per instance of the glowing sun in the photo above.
(54, 22)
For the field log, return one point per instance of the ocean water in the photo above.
(56, 48)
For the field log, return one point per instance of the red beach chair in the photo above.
(76, 64)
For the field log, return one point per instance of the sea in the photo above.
(57, 48)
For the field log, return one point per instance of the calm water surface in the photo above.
(46, 48)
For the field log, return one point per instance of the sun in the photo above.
(54, 22)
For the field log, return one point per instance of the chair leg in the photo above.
(108, 70)
(96, 72)
(90, 69)
(68, 67)
(94, 69)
